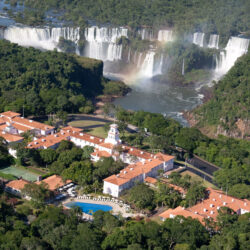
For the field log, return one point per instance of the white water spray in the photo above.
(165, 35)
(46, 38)
(213, 41)
(235, 48)
(198, 39)
(102, 43)
(147, 67)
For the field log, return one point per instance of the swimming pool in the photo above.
(89, 208)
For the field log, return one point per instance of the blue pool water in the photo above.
(89, 208)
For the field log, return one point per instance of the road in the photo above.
(203, 165)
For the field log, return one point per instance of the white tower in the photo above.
(113, 135)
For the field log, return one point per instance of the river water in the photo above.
(153, 96)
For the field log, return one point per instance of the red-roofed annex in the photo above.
(209, 207)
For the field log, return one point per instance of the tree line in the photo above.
(27, 225)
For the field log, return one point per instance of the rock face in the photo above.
(241, 130)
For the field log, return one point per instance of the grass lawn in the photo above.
(85, 123)
(195, 178)
(100, 132)
(20, 172)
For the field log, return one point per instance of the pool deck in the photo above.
(116, 208)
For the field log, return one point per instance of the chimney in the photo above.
(39, 178)
(81, 134)
(30, 121)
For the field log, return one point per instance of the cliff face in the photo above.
(228, 110)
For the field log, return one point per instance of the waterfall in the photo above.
(235, 48)
(183, 67)
(198, 39)
(135, 57)
(129, 55)
(214, 41)
(44, 38)
(146, 34)
(147, 67)
(139, 60)
(159, 66)
(165, 35)
(102, 43)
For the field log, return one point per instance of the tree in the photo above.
(5, 158)
(142, 196)
(181, 230)
(195, 194)
(87, 151)
(86, 238)
(240, 191)
(38, 193)
(48, 155)
(167, 196)
(80, 172)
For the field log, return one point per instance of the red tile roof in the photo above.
(10, 114)
(209, 207)
(150, 180)
(71, 129)
(17, 184)
(32, 124)
(10, 137)
(87, 137)
(54, 182)
(100, 154)
(4, 119)
(171, 213)
(132, 171)
(164, 157)
(177, 188)
(49, 140)
(107, 145)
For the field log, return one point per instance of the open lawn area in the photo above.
(99, 131)
(196, 178)
(85, 123)
(20, 172)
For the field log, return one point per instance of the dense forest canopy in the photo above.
(220, 16)
(46, 82)
(229, 108)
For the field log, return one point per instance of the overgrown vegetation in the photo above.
(229, 108)
(45, 82)
(51, 227)
(226, 18)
